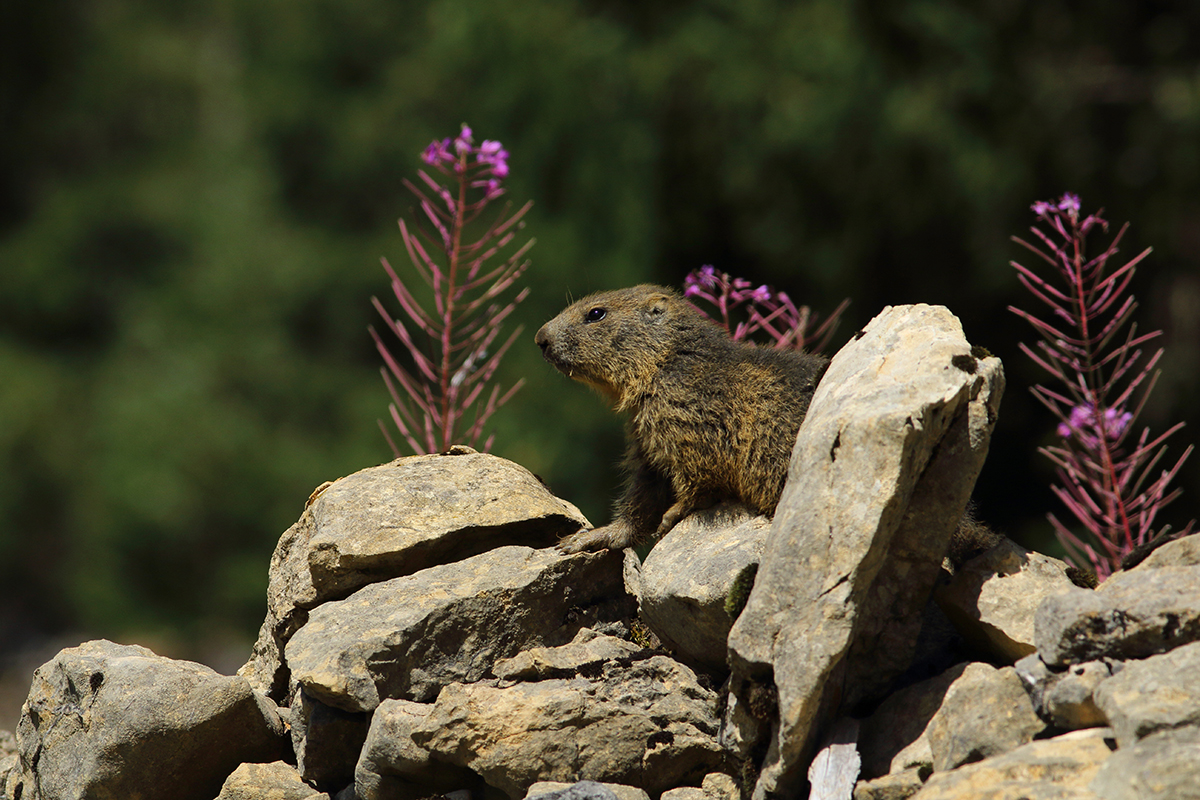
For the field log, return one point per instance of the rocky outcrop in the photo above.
(395, 520)
(424, 638)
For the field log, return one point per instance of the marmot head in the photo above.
(617, 341)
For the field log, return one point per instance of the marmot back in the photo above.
(710, 419)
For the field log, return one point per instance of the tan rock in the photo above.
(274, 781)
(881, 473)
(992, 598)
(1047, 769)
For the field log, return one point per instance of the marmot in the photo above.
(710, 418)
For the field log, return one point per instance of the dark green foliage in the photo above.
(739, 592)
(194, 198)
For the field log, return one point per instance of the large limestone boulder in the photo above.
(408, 637)
(882, 470)
(393, 520)
(105, 720)
(641, 720)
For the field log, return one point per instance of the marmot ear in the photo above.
(655, 308)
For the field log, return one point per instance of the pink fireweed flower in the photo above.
(1084, 426)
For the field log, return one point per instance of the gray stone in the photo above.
(1132, 615)
(1159, 692)
(1047, 769)
(326, 740)
(397, 519)
(1162, 766)
(1183, 552)
(408, 637)
(992, 598)
(985, 712)
(105, 720)
(1066, 697)
(9, 762)
(897, 786)
(686, 578)
(274, 781)
(585, 790)
(894, 737)
(882, 469)
(647, 723)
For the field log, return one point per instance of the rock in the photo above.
(585, 790)
(109, 720)
(9, 762)
(645, 723)
(1047, 769)
(882, 469)
(1162, 766)
(686, 579)
(1133, 614)
(685, 793)
(985, 712)
(897, 786)
(408, 637)
(719, 786)
(1183, 552)
(894, 737)
(326, 740)
(588, 649)
(1066, 698)
(274, 781)
(992, 598)
(1160, 692)
(397, 519)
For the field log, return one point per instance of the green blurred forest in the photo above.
(194, 198)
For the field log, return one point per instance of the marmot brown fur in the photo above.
(710, 419)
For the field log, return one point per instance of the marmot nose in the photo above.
(542, 338)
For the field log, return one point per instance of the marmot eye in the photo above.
(595, 315)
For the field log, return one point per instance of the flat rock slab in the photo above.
(686, 578)
(408, 637)
(1048, 769)
(1133, 614)
(884, 464)
(645, 723)
(105, 720)
(1146, 696)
